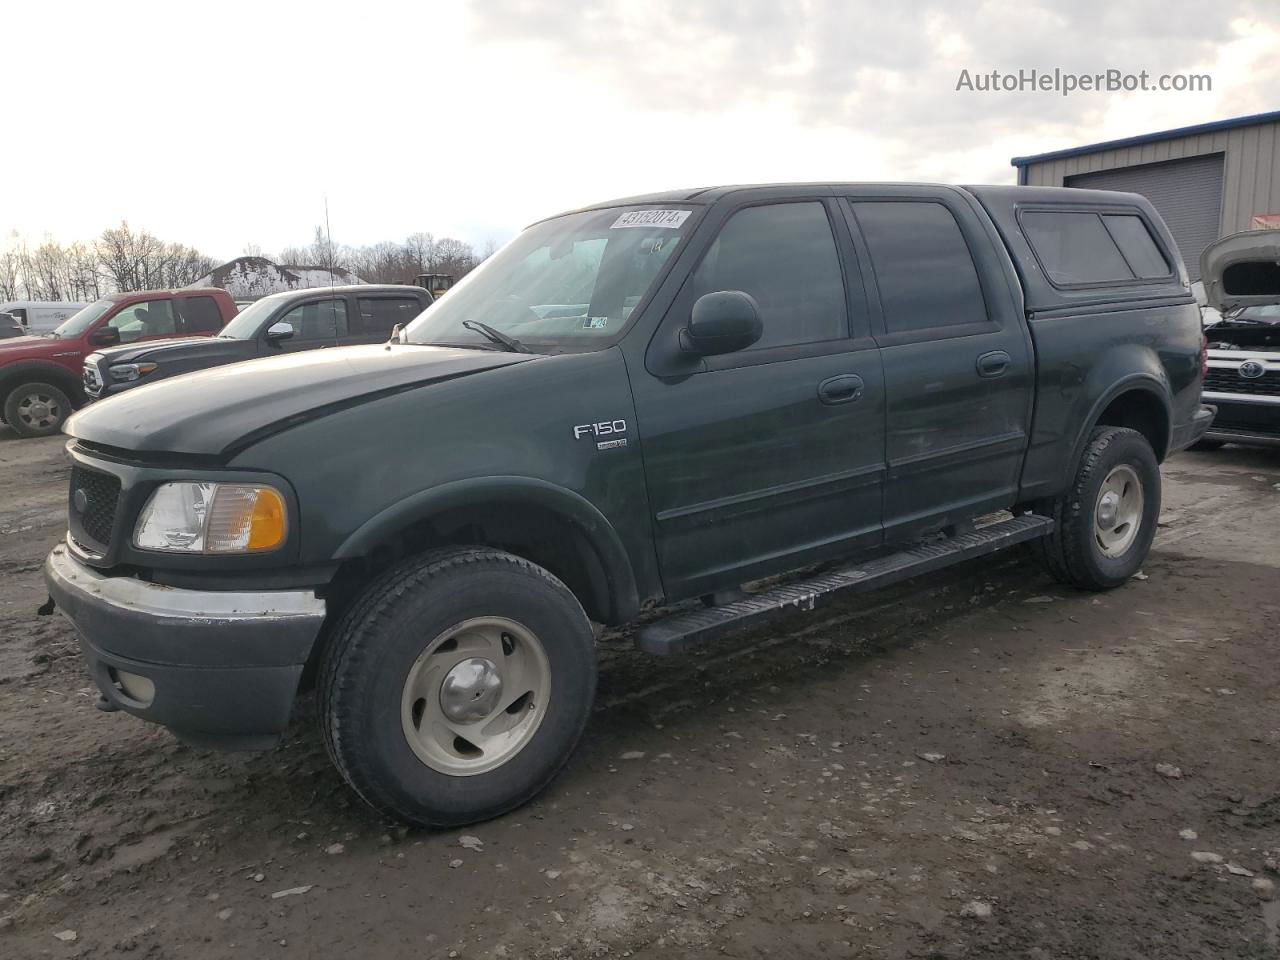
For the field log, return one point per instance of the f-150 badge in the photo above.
(604, 428)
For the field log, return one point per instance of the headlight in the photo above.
(211, 518)
(126, 372)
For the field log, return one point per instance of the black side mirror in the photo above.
(279, 331)
(722, 322)
(105, 337)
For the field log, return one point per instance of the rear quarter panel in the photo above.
(1085, 360)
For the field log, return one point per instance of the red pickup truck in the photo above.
(40, 376)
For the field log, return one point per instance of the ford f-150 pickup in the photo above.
(660, 399)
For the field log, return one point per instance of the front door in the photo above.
(315, 324)
(957, 358)
(765, 459)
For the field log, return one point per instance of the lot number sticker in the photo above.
(651, 218)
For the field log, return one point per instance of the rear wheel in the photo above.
(1107, 519)
(457, 686)
(36, 409)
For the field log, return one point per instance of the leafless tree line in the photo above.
(121, 259)
(124, 259)
(386, 262)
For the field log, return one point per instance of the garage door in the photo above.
(1187, 193)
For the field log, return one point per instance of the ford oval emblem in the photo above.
(1252, 369)
(80, 500)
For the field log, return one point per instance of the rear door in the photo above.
(957, 358)
(376, 314)
(771, 457)
(198, 316)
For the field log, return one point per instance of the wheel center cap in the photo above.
(471, 690)
(38, 410)
(1108, 510)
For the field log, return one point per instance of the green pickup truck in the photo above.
(658, 401)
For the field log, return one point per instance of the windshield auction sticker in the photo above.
(651, 218)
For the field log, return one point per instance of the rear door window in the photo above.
(199, 314)
(375, 316)
(922, 264)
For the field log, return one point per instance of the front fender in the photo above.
(574, 508)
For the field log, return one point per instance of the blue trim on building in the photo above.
(1213, 127)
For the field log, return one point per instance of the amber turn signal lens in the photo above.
(266, 529)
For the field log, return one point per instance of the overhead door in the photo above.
(1186, 193)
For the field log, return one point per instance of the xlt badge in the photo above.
(603, 428)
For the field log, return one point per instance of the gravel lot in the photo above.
(980, 764)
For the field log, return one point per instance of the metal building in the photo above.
(1207, 181)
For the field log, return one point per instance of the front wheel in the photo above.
(36, 409)
(457, 686)
(1107, 519)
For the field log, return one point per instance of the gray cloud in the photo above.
(889, 69)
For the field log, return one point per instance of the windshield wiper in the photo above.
(496, 336)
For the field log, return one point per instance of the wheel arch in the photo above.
(34, 371)
(1140, 402)
(545, 523)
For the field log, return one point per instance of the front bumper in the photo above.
(218, 668)
(1243, 418)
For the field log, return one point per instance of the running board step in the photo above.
(676, 633)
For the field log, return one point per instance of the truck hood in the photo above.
(1242, 270)
(214, 412)
(27, 348)
(165, 349)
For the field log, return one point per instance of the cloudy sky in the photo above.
(230, 124)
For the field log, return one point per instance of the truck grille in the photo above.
(93, 500)
(1227, 380)
(92, 384)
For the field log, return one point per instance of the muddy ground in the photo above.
(981, 764)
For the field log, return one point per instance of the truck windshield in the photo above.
(564, 285)
(82, 320)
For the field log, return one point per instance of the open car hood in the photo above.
(1242, 270)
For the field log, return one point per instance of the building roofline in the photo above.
(1212, 127)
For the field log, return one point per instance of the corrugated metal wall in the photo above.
(1251, 182)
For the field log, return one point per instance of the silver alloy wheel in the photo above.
(38, 410)
(1117, 515)
(476, 696)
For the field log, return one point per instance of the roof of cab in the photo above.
(361, 288)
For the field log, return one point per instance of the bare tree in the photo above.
(324, 252)
(84, 282)
(9, 275)
(128, 257)
(421, 248)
